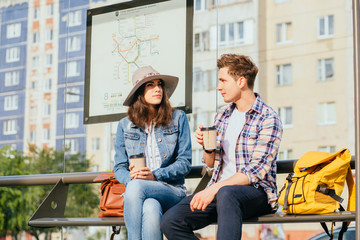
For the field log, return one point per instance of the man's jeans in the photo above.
(144, 203)
(231, 205)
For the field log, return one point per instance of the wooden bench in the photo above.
(51, 212)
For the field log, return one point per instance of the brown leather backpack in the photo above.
(111, 195)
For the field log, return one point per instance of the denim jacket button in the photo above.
(159, 139)
(164, 155)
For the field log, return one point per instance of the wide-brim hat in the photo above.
(146, 74)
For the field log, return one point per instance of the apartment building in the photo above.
(308, 63)
(13, 54)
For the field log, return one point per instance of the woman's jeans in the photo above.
(145, 202)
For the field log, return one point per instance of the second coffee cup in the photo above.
(209, 137)
(138, 161)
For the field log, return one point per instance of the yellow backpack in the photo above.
(316, 185)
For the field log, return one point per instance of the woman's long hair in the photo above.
(139, 111)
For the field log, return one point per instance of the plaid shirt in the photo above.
(256, 147)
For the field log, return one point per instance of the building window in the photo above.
(11, 103)
(72, 120)
(36, 13)
(50, 10)
(13, 30)
(200, 5)
(73, 69)
(326, 26)
(330, 149)
(73, 44)
(10, 127)
(325, 69)
(13, 54)
(12, 78)
(283, 32)
(74, 18)
(48, 59)
(232, 34)
(36, 37)
(32, 136)
(326, 113)
(47, 109)
(201, 41)
(49, 35)
(281, 1)
(73, 95)
(95, 144)
(33, 85)
(47, 85)
(286, 154)
(200, 83)
(71, 146)
(46, 135)
(35, 62)
(283, 75)
(285, 114)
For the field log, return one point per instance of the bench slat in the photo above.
(91, 221)
(269, 218)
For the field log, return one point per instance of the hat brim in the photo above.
(170, 83)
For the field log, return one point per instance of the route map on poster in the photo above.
(127, 39)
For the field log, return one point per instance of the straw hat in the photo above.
(146, 74)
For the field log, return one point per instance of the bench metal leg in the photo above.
(54, 204)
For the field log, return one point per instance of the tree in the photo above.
(17, 204)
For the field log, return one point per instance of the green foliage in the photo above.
(17, 204)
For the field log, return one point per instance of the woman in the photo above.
(162, 134)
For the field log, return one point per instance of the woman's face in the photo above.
(153, 92)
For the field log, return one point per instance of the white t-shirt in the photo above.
(236, 124)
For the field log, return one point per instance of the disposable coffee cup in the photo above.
(138, 161)
(209, 137)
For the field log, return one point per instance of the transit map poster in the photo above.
(124, 37)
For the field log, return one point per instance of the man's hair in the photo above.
(139, 111)
(239, 66)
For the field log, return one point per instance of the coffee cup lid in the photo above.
(137, 156)
(208, 128)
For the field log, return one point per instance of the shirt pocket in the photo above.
(250, 141)
(131, 142)
(171, 135)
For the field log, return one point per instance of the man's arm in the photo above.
(203, 198)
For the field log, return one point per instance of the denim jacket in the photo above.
(174, 143)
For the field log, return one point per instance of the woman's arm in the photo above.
(182, 153)
(121, 167)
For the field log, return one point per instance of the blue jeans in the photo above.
(145, 201)
(231, 205)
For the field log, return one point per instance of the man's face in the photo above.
(228, 86)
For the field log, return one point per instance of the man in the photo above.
(243, 184)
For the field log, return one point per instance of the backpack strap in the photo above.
(329, 192)
(287, 190)
(324, 226)
(351, 186)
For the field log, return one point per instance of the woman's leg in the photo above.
(152, 214)
(137, 191)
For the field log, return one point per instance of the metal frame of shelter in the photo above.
(356, 34)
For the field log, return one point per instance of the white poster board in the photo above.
(124, 37)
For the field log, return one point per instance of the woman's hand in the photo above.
(144, 173)
(133, 173)
(199, 135)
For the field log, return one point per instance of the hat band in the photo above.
(147, 75)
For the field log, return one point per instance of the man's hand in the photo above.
(203, 198)
(144, 173)
(199, 136)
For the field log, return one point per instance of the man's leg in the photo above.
(179, 222)
(235, 203)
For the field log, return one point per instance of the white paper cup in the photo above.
(138, 161)
(209, 137)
